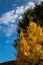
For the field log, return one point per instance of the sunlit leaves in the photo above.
(30, 45)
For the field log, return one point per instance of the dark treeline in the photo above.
(36, 14)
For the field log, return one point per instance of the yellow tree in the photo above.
(30, 45)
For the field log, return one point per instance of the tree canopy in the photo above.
(30, 42)
(30, 45)
(36, 14)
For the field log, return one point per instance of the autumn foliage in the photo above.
(30, 45)
(30, 42)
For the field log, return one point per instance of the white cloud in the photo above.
(12, 16)
(20, 10)
(20, 17)
(10, 29)
(23, 8)
(30, 5)
(8, 17)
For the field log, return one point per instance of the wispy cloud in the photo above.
(12, 16)
(30, 5)
(8, 17)
(10, 29)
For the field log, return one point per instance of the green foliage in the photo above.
(38, 13)
(37, 16)
(23, 23)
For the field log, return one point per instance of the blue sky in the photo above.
(10, 13)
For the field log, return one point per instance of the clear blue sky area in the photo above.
(9, 14)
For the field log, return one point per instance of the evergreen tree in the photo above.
(36, 14)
